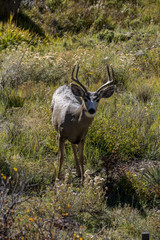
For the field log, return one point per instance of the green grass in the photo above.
(125, 129)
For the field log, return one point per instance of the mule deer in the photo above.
(73, 110)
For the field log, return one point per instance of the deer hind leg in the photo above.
(61, 142)
(81, 158)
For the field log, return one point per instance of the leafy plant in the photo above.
(11, 195)
(151, 177)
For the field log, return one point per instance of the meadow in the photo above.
(120, 197)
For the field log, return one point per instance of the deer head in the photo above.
(91, 99)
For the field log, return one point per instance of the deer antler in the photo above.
(109, 79)
(76, 79)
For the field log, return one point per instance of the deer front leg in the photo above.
(81, 158)
(60, 154)
(76, 160)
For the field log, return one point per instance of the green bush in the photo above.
(120, 128)
(129, 190)
(151, 177)
(106, 35)
(11, 98)
(25, 66)
(54, 4)
(11, 36)
(136, 189)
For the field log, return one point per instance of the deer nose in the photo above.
(91, 111)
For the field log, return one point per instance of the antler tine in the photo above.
(109, 80)
(109, 75)
(76, 79)
(77, 72)
(113, 76)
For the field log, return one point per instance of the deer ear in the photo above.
(76, 90)
(107, 92)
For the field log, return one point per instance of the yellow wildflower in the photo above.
(15, 169)
(4, 177)
(31, 219)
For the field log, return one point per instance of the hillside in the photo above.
(121, 193)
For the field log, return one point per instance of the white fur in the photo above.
(89, 115)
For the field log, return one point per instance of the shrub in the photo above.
(22, 66)
(64, 211)
(54, 4)
(136, 189)
(113, 130)
(106, 35)
(11, 195)
(10, 36)
(128, 189)
(11, 98)
(151, 177)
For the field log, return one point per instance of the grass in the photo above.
(125, 129)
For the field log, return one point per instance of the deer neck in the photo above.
(84, 115)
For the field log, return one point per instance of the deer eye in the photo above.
(86, 98)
